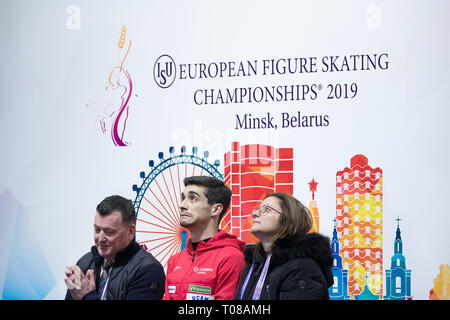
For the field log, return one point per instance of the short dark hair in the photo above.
(216, 191)
(118, 203)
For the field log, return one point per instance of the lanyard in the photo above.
(246, 281)
(259, 285)
(104, 279)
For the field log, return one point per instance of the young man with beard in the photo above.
(210, 266)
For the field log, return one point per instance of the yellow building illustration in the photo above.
(359, 214)
(441, 284)
(313, 208)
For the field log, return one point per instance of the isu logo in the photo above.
(164, 71)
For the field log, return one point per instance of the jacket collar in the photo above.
(122, 256)
(221, 239)
(312, 245)
(299, 245)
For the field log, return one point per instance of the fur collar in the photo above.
(299, 245)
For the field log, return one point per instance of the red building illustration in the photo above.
(251, 172)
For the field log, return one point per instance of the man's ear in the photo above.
(132, 230)
(216, 209)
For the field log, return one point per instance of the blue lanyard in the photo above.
(262, 277)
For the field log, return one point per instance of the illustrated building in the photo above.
(251, 172)
(338, 291)
(366, 294)
(441, 284)
(313, 207)
(398, 278)
(359, 214)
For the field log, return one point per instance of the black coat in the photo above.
(300, 269)
(135, 275)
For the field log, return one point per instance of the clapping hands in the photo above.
(78, 283)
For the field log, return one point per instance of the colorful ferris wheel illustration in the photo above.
(157, 201)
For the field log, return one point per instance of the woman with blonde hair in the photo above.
(288, 262)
